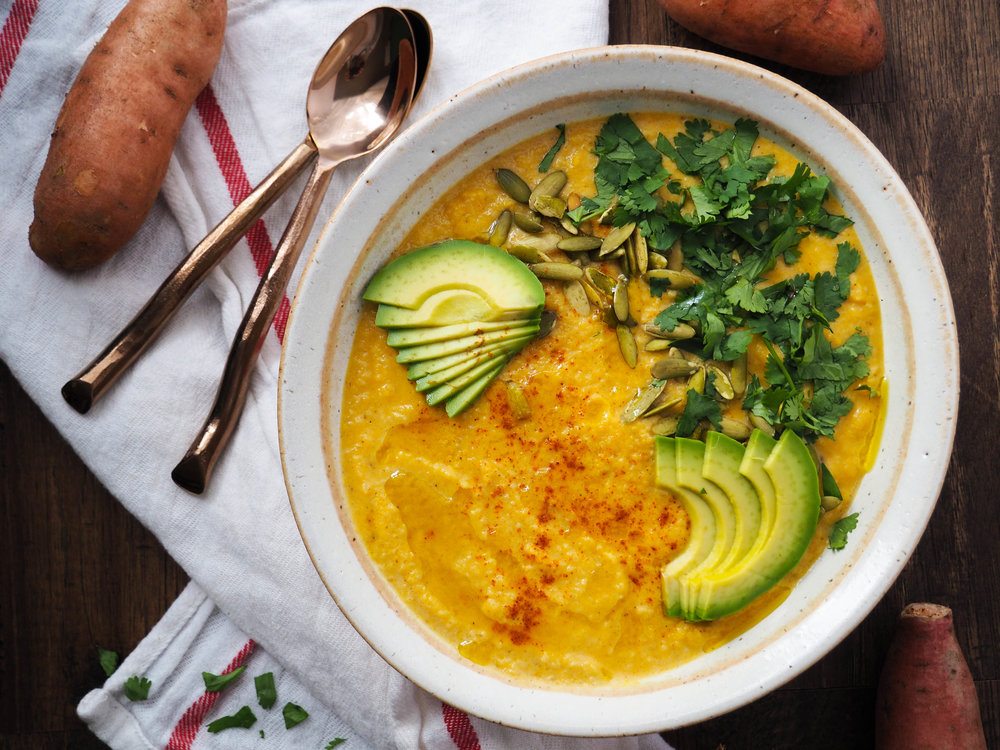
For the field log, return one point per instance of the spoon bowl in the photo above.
(357, 96)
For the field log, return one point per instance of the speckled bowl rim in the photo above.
(837, 592)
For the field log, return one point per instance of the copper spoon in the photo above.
(84, 390)
(358, 97)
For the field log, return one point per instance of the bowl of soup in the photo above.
(689, 439)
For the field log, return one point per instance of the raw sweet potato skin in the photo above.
(926, 697)
(117, 128)
(835, 37)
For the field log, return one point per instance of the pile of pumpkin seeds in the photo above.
(537, 226)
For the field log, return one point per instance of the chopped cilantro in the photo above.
(698, 407)
(242, 719)
(840, 530)
(546, 162)
(830, 487)
(266, 692)
(335, 742)
(215, 682)
(293, 715)
(137, 688)
(108, 660)
(734, 225)
(261, 733)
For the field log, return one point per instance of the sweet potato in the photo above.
(836, 37)
(117, 128)
(926, 697)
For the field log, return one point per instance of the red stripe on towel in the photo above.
(190, 722)
(15, 29)
(460, 728)
(224, 146)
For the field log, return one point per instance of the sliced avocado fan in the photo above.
(764, 500)
(456, 313)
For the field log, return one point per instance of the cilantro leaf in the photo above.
(136, 688)
(293, 715)
(697, 408)
(215, 682)
(546, 162)
(108, 660)
(335, 742)
(267, 694)
(242, 719)
(840, 530)
(744, 294)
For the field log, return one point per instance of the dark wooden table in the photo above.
(77, 571)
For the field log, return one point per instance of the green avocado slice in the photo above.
(464, 398)
(441, 377)
(690, 460)
(420, 370)
(723, 456)
(423, 352)
(784, 476)
(503, 281)
(701, 538)
(416, 336)
(442, 308)
(446, 390)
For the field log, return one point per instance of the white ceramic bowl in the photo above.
(921, 361)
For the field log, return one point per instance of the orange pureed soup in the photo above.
(534, 546)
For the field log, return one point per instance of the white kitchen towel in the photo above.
(238, 542)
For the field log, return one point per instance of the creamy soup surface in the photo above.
(534, 547)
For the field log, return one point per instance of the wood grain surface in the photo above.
(76, 571)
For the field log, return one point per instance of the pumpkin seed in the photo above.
(546, 322)
(721, 383)
(619, 300)
(619, 253)
(676, 279)
(677, 333)
(665, 405)
(700, 430)
(513, 185)
(738, 375)
(830, 502)
(528, 254)
(697, 381)
(595, 297)
(657, 345)
(666, 425)
(657, 261)
(577, 297)
(735, 429)
(566, 223)
(629, 259)
(517, 401)
(673, 367)
(527, 222)
(678, 354)
(642, 400)
(675, 261)
(557, 271)
(600, 281)
(615, 238)
(551, 184)
(762, 424)
(500, 229)
(641, 248)
(581, 244)
(626, 343)
(549, 205)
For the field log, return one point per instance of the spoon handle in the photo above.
(195, 469)
(93, 381)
